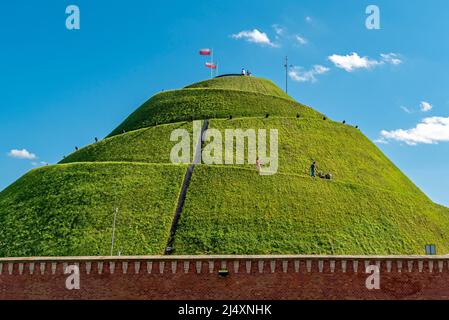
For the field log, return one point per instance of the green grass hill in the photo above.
(369, 207)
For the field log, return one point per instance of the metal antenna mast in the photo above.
(287, 67)
(286, 74)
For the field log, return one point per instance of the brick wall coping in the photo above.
(224, 257)
(215, 263)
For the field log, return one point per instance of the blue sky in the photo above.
(61, 88)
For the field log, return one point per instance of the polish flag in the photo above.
(211, 65)
(205, 52)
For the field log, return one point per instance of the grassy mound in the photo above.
(370, 207)
(251, 84)
(236, 211)
(188, 104)
(68, 209)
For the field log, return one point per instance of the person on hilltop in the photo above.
(313, 168)
(243, 72)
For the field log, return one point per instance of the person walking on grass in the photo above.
(313, 169)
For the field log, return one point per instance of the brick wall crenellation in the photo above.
(249, 277)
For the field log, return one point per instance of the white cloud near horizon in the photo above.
(39, 164)
(255, 36)
(301, 75)
(430, 130)
(353, 61)
(22, 154)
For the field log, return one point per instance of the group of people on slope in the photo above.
(313, 170)
(314, 173)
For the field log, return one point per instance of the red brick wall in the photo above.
(251, 277)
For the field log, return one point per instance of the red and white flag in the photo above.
(211, 65)
(205, 52)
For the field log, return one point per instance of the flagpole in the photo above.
(212, 62)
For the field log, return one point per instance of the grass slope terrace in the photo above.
(236, 211)
(198, 104)
(150, 145)
(67, 210)
(340, 149)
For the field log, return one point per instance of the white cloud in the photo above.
(301, 40)
(279, 30)
(353, 61)
(22, 154)
(282, 33)
(392, 58)
(301, 75)
(381, 141)
(308, 19)
(425, 106)
(39, 164)
(405, 109)
(429, 131)
(254, 36)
